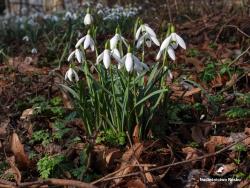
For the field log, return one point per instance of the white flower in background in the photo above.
(131, 63)
(148, 39)
(26, 38)
(116, 39)
(88, 19)
(106, 55)
(70, 16)
(34, 51)
(70, 74)
(171, 43)
(144, 28)
(77, 54)
(87, 42)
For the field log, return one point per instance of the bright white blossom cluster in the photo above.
(117, 12)
(144, 35)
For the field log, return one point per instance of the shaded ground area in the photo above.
(204, 134)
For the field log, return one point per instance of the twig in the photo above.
(181, 162)
(232, 26)
(239, 56)
(52, 181)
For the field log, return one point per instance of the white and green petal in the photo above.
(178, 40)
(129, 62)
(148, 39)
(106, 58)
(144, 28)
(88, 19)
(70, 74)
(78, 55)
(115, 39)
(171, 53)
(80, 41)
(87, 41)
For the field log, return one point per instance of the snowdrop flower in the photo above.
(117, 38)
(148, 39)
(144, 28)
(171, 43)
(87, 42)
(70, 74)
(131, 63)
(70, 16)
(26, 38)
(78, 55)
(106, 55)
(88, 19)
(34, 51)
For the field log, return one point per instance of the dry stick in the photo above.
(52, 181)
(238, 57)
(181, 162)
(232, 26)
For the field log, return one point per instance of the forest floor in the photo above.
(205, 142)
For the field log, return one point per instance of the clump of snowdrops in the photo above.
(119, 90)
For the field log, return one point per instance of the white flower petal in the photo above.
(124, 41)
(78, 55)
(70, 56)
(138, 33)
(165, 43)
(87, 42)
(180, 41)
(80, 41)
(158, 55)
(114, 41)
(88, 19)
(171, 53)
(149, 30)
(129, 62)
(116, 53)
(106, 58)
(70, 74)
(140, 41)
(155, 40)
(99, 58)
(75, 75)
(92, 44)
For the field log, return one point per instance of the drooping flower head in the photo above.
(70, 74)
(106, 55)
(116, 39)
(87, 41)
(77, 54)
(88, 19)
(171, 42)
(132, 63)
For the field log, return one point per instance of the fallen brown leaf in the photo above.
(18, 150)
(13, 170)
(191, 153)
(215, 141)
(135, 184)
(27, 114)
(128, 160)
(136, 133)
(112, 155)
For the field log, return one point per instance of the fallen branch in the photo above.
(174, 164)
(52, 181)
